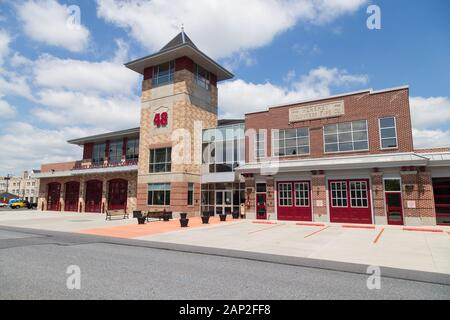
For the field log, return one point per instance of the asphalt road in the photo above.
(33, 265)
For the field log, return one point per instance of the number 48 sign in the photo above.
(161, 119)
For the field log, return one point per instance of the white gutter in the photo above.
(71, 173)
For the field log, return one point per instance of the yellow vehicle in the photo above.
(17, 203)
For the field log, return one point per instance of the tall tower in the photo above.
(179, 98)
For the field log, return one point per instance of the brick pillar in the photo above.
(105, 186)
(250, 198)
(378, 198)
(61, 197)
(418, 198)
(319, 197)
(81, 195)
(42, 195)
(270, 200)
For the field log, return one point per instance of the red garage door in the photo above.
(294, 201)
(53, 194)
(350, 201)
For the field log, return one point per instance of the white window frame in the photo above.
(264, 153)
(308, 197)
(285, 198)
(344, 182)
(396, 134)
(353, 141)
(273, 149)
(356, 198)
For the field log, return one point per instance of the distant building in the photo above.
(24, 187)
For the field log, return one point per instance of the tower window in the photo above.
(201, 77)
(163, 73)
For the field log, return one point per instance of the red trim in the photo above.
(184, 63)
(357, 227)
(148, 73)
(388, 208)
(107, 150)
(87, 151)
(423, 230)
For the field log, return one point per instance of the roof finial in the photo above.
(182, 33)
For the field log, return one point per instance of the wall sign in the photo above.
(317, 111)
(161, 119)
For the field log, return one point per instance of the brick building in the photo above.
(347, 158)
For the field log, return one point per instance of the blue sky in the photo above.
(58, 82)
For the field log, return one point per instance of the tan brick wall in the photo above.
(421, 193)
(378, 194)
(363, 106)
(319, 193)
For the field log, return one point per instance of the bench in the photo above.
(116, 213)
(158, 215)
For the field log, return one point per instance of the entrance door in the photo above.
(394, 208)
(117, 195)
(224, 202)
(294, 201)
(53, 195)
(72, 196)
(261, 207)
(93, 196)
(350, 201)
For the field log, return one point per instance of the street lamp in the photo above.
(7, 178)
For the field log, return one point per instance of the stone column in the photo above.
(270, 200)
(81, 195)
(62, 197)
(319, 198)
(250, 200)
(105, 186)
(378, 198)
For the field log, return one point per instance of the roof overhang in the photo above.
(183, 50)
(134, 132)
(438, 159)
(73, 173)
(337, 163)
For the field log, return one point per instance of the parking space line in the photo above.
(378, 236)
(264, 222)
(310, 224)
(357, 227)
(315, 232)
(423, 230)
(278, 225)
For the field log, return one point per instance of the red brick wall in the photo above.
(362, 106)
(319, 193)
(421, 192)
(87, 151)
(378, 194)
(57, 166)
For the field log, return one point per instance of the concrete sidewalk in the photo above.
(390, 246)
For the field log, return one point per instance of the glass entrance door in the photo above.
(224, 202)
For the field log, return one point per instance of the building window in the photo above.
(345, 137)
(302, 194)
(288, 142)
(98, 153)
(358, 194)
(158, 194)
(133, 149)
(392, 185)
(388, 133)
(190, 195)
(115, 151)
(202, 77)
(223, 148)
(260, 145)
(339, 194)
(163, 73)
(160, 160)
(285, 194)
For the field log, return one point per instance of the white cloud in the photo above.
(18, 60)
(48, 21)
(6, 110)
(238, 59)
(426, 138)
(5, 40)
(13, 84)
(34, 146)
(239, 97)
(104, 76)
(109, 113)
(218, 27)
(431, 112)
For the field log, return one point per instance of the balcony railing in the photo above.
(83, 165)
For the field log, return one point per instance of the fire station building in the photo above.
(347, 158)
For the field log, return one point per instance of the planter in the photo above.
(184, 223)
(183, 215)
(205, 219)
(166, 216)
(141, 220)
(235, 215)
(223, 217)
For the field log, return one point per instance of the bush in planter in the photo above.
(205, 217)
(223, 217)
(235, 214)
(183, 220)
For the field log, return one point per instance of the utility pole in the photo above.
(7, 178)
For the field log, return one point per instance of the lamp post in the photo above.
(7, 178)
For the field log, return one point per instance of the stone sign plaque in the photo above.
(317, 111)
